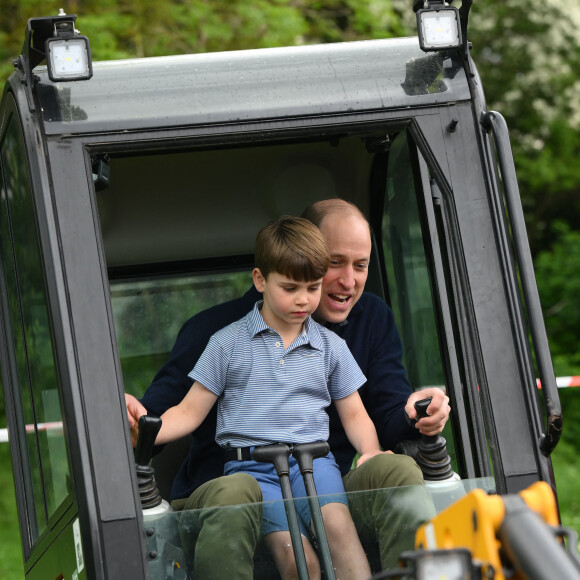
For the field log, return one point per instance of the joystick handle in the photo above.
(148, 491)
(433, 457)
(148, 430)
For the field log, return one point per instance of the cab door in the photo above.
(450, 273)
(46, 501)
(66, 529)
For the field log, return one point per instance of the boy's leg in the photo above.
(224, 540)
(274, 524)
(349, 559)
(392, 517)
(280, 546)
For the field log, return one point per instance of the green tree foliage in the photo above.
(138, 28)
(558, 270)
(528, 54)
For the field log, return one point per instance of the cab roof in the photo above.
(250, 85)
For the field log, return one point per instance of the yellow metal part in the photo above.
(540, 498)
(472, 522)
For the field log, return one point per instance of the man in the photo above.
(367, 325)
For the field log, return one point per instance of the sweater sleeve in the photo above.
(387, 388)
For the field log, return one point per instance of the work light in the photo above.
(68, 54)
(438, 27)
(68, 59)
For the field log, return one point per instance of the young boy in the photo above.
(273, 373)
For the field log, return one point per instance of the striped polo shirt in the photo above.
(270, 394)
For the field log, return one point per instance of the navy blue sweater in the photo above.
(373, 339)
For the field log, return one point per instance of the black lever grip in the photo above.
(421, 407)
(277, 453)
(306, 453)
(148, 430)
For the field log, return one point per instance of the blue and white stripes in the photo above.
(269, 394)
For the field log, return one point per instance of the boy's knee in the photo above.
(287, 567)
(338, 522)
(280, 546)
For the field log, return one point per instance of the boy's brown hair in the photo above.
(293, 247)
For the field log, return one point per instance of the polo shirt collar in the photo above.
(256, 323)
(313, 334)
(310, 331)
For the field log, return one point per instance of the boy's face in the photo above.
(287, 302)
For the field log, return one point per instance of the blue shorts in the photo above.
(327, 479)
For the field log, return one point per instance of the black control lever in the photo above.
(278, 454)
(432, 457)
(148, 492)
(305, 454)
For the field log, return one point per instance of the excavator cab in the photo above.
(131, 193)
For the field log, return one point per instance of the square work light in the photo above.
(68, 59)
(439, 28)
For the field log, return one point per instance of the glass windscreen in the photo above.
(410, 281)
(382, 518)
(408, 273)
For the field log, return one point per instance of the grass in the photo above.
(11, 565)
(565, 460)
(567, 473)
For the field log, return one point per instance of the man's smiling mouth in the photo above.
(340, 298)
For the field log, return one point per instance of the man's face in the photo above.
(349, 242)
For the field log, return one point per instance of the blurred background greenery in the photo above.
(528, 55)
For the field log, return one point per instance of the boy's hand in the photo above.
(366, 456)
(134, 411)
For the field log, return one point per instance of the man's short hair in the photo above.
(316, 212)
(293, 247)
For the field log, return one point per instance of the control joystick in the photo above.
(148, 492)
(432, 455)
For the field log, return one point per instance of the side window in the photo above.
(33, 376)
(407, 271)
(409, 277)
(149, 313)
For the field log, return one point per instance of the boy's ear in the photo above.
(259, 280)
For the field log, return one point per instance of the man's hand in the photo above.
(134, 411)
(437, 411)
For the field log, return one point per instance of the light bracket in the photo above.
(56, 40)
